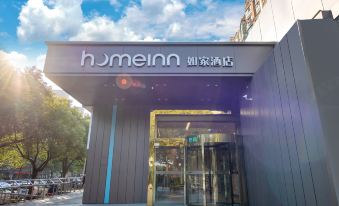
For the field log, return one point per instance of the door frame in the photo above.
(153, 140)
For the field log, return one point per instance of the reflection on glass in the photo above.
(216, 157)
(216, 170)
(201, 169)
(181, 129)
(217, 174)
(169, 159)
(218, 189)
(194, 189)
(193, 158)
(169, 189)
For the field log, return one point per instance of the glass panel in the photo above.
(193, 158)
(217, 174)
(169, 159)
(236, 188)
(194, 189)
(216, 157)
(184, 129)
(218, 189)
(169, 189)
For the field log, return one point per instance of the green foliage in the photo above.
(70, 129)
(37, 126)
(10, 158)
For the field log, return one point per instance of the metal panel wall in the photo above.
(130, 155)
(130, 159)
(97, 155)
(283, 140)
(321, 46)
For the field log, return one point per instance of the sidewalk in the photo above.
(71, 199)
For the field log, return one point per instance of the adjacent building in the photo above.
(269, 20)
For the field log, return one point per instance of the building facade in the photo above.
(209, 123)
(269, 20)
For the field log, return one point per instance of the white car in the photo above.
(4, 185)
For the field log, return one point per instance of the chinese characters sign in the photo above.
(205, 61)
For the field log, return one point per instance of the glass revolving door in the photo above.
(196, 164)
(208, 170)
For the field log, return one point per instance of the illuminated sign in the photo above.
(213, 61)
(155, 58)
(193, 139)
(151, 60)
(138, 60)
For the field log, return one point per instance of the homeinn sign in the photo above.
(140, 60)
(212, 123)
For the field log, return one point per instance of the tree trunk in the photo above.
(34, 173)
(65, 166)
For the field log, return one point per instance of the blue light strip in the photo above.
(110, 156)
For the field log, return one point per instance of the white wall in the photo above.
(278, 16)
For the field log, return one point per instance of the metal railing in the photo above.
(13, 191)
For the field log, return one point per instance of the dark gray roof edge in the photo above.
(159, 43)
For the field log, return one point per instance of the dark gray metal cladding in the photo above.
(284, 140)
(97, 155)
(130, 158)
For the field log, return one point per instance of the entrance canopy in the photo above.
(155, 73)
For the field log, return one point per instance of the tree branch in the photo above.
(21, 152)
(43, 165)
(7, 144)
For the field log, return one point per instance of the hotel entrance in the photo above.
(166, 118)
(197, 161)
(172, 120)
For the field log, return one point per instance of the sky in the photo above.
(25, 25)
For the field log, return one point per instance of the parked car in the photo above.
(4, 185)
(40, 188)
(12, 191)
(5, 192)
(14, 183)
